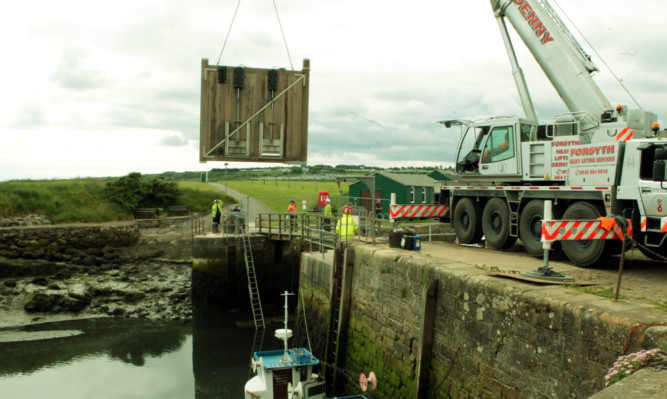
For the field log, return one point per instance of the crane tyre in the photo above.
(496, 224)
(585, 253)
(530, 227)
(467, 221)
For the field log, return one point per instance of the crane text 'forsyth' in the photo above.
(603, 149)
(534, 21)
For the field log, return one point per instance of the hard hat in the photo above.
(347, 209)
(327, 200)
(655, 126)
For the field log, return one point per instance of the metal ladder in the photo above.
(255, 301)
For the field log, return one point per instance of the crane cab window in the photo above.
(470, 149)
(526, 132)
(500, 145)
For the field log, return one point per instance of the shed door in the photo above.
(366, 201)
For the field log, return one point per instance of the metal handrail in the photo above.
(312, 227)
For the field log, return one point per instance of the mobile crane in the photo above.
(594, 161)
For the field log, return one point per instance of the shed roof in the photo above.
(409, 179)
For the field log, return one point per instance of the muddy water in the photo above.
(108, 358)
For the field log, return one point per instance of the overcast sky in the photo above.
(90, 88)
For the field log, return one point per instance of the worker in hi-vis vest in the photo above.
(327, 215)
(291, 208)
(346, 227)
(216, 213)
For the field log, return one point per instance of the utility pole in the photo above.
(226, 177)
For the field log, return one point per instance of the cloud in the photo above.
(173, 140)
(72, 73)
(381, 76)
(31, 114)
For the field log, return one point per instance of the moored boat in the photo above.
(289, 373)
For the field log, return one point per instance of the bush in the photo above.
(131, 192)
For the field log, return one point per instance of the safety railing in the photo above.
(428, 231)
(231, 223)
(320, 231)
(284, 225)
(198, 226)
(234, 222)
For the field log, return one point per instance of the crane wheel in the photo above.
(496, 224)
(467, 221)
(530, 227)
(586, 253)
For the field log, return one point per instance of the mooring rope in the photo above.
(303, 303)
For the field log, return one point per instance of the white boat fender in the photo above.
(365, 382)
(294, 392)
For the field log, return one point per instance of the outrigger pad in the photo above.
(517, 276)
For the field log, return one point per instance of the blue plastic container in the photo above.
(416, 243)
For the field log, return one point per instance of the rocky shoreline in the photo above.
(51, 274)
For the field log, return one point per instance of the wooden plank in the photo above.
(429, 296)
(518, 276)
(225, 109)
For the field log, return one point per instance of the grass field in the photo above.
(276, 194)
(199, 196)
(81, 200)
(62, 201)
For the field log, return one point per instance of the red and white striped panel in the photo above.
(417, 211)
(625, 134)
(559, 230)
(529, 188)
(663, 224)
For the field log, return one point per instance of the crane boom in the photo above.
(559, 55)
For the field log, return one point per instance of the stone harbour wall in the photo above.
(29, 220)
(88, 270)
(492, 337)
(46, 245)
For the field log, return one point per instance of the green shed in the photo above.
(440, 175)
(409, 189)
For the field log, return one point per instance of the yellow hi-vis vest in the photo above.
(327, 210)
(346, 227)
(218, 206)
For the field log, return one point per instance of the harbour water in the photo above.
(119, 358)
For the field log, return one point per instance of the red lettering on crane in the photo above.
(540, 30)
(534, 21)
(526, 9)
